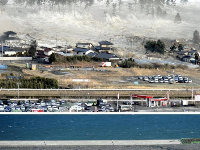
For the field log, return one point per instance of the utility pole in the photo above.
(2, 51)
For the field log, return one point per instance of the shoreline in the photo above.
(91, 142)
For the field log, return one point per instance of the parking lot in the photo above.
(171, 79)
(98, 105)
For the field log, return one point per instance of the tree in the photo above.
(154, 46)
(52, 58)
(180, 47)
(177, 18)
(196, 38)
(173, 48)
(32, 51)
(196, 57)
(160, 47)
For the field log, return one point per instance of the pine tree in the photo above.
(177, 18)
(196, 38)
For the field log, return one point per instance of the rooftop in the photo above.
(106, 56)
(83, 43)
(80, 49)
(10, 33)
(105, 43)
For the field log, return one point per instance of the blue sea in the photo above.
(98, 127)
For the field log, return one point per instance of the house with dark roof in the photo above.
(12, 40)
(82, 51)
(92, 54)
(181, 54)
(10, 34)
(41, 57)
(192, 53)
(84, 45)
(14, 51)
(188, 58)
(107, 56)
(104, 46)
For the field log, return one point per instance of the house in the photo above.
(10, 34)
(192, 53)
(85, 45)
(14, 51)
(82, 51)
(107, 56)
(41, 57)
(12, 40)
(64, 53)
(188, 58)
(181, 54)
(92, 54)
(4, 49)
(48, 51)
(105, 46)
(10, 52)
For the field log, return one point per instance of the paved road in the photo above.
(132, 147)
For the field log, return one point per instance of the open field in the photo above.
(102, 78)
(111, 77)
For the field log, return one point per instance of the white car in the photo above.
(88, 104)
(76, 108)
(55, 108)
(1, 108)
(42, 103)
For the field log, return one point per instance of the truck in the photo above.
(184, 102)
(105, 64)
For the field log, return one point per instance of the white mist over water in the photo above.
(76, 22)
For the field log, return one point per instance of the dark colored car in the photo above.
(7, 109)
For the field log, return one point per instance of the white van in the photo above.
(1, 108)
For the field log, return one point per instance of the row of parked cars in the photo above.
(99, 105)
(30, 106)
(165, 79)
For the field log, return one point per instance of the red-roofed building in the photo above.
(48, 51)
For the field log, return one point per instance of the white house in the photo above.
(48, 51)
(10, 52)
(84, 45)
(64, 54)
(82, 51)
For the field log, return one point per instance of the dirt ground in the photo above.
(108, 77)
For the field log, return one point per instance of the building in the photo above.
(107, 56)
(10, 52)
(82, 51)
(159, 102)
(188, 58)
(181, 54)
(48, 51)
(85, 45)
(105, 46)
(10, 34)
(64, 53)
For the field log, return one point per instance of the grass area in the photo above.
(190, 141)
(110, 77)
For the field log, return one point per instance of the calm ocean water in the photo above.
(98, 127)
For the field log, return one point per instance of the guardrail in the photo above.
(20, 89)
